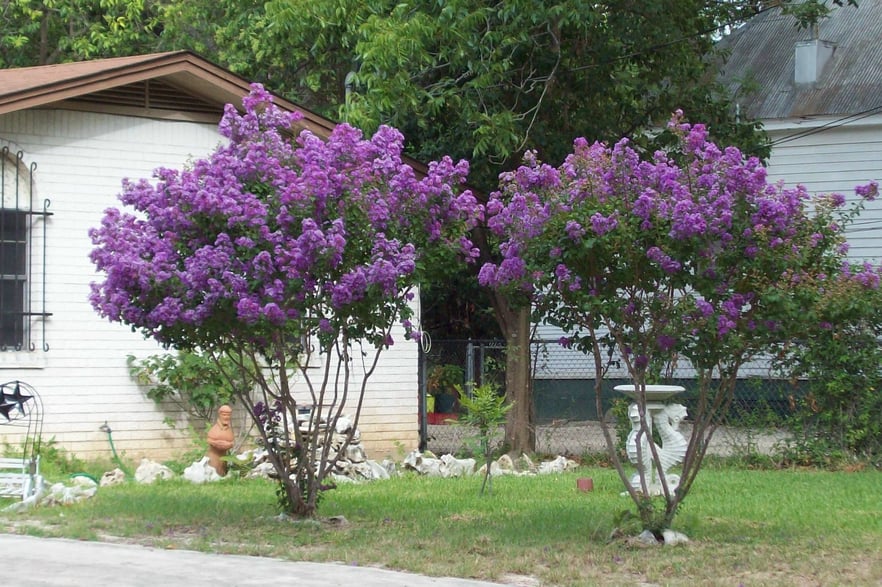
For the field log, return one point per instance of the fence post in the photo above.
(422, 365)
(470, 368)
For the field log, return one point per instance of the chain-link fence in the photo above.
(564, 401)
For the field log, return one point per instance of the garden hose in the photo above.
(105, 428)
(86, 475)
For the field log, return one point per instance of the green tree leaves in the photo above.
(55, 31)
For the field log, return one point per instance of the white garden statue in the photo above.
(666, 419)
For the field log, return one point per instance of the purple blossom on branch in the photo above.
(869, 191)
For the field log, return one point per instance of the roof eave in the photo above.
(182, 68)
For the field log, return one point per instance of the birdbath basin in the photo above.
(654, 393)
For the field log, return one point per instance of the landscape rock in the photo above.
(344, 424)
(351, 462)
(201, 472)
(110, 478)
(149, 471)
(505, 464)
(390, 466)
(351, 471)
(254, 456)
(525, 463)
(84, 481)
(431, 467)
(27, 503)
(454, 467)
(378, 471)
(422, 464)
(261, 471)
(644, 539)
(81, 487)
(412, 460)
(341, 479)
(558, 465)
(495, 470)
(673, 538)
(61, 494)
(355, 453)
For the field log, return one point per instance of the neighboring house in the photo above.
(69, 134)
(820, 100)
(819, 95)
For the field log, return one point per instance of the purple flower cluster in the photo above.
(864, 274)
(869, 191)
(667, 264)
(268, 230)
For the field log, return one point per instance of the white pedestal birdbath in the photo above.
(664, 417)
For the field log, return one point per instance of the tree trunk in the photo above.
(514, 323)
(520, 432)
(44, 37)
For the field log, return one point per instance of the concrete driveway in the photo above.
(29, 561)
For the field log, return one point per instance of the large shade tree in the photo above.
(42, 32)
(688, 256)
(487, 81)
(292, 258)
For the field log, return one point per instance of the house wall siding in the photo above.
(833, 159)
(83, 379)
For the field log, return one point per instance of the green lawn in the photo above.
(746, 527)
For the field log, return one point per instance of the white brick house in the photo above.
(70, 133)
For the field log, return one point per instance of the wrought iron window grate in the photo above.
(23, 312)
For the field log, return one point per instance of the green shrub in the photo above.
(838, 416)
(193, 381)
(485, 409)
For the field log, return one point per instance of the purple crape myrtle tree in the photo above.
(687, 258)
(293, 256)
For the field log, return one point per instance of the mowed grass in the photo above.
(794, 527)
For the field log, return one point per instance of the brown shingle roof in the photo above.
(197, 80)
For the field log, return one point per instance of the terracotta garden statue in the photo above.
(220, 440)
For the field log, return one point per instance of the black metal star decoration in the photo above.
(16, 399)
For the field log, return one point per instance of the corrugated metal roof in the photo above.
(763, 54)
